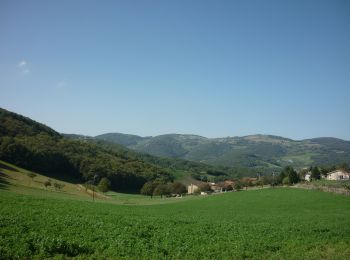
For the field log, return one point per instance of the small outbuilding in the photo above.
(307, 176)
(192, 188)
(338, 175)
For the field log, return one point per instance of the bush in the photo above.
(161, 189)
(237, 186)
(286, 181)
(204, 187)
(148, 188)
(47, 183)
(178, 188)
(104, 185)
(58, 186)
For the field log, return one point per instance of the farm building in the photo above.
(308, 176)
(192, 188)
(338, 175)
(226, 185)
(215, 187)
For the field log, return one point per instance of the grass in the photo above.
(331, 183)
(16, 179)
(258, 224)
(269, 223)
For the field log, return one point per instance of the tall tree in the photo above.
(315, 173)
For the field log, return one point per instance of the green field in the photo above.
(268, 223)
(39, 222)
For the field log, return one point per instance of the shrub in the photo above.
(286, 181)
(178, 188)
(237, 186)
(104, 185)
(47, 183)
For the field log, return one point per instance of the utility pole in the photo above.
(93, 188)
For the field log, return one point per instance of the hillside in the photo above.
(254, 151)
(34, 146)
(37, 147)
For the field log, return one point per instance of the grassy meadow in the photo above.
(36, 222)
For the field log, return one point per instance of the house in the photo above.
(226, 185)
(338, 175)
(215, 187)
(308, 176)
(192, 188)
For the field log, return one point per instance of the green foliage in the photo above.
(289, 173)
(36, 147)
(247, 155)
(12, 124)
(178, 188)
(104, 185)
(286, 181)
(315, 173)
(162, 190)
(148, 188)
(237, 185)
(204, 187)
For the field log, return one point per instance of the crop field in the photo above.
(267, 223)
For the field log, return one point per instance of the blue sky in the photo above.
(213, 68)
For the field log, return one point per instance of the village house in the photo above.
(215, 187)
(308, 176)
(226, 185)
(192, 188)
(338, 175)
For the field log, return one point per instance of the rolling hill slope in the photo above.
(254, 151)
(34, 146)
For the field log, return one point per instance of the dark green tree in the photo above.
(178, 188)
(315, 173)
(161, 190)
(148, 188)
(289, 172)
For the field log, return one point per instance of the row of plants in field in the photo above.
(265, 223)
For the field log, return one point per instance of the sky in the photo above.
(213, 68)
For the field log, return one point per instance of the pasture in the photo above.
(268, 223)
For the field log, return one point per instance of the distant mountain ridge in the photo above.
(254, 151)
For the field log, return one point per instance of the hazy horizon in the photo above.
(209, 68)
(212, 137)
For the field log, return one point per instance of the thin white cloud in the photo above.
(22, 64)
(23, 67)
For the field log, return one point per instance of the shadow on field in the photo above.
(6, 167)
(62, 177)
(4, 180)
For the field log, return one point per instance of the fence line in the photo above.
(336, 190)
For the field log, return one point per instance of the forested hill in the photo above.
(263, 153)
(12, 124)
(37, 147)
